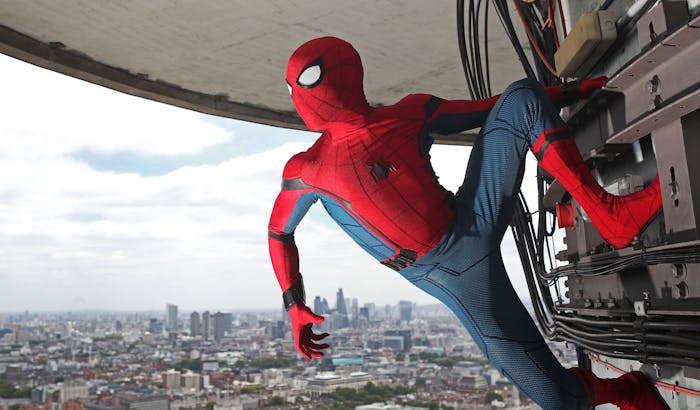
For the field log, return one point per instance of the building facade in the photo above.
(195, 324)
(171, 318)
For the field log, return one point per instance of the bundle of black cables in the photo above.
(476, 65)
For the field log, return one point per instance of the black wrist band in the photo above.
(294, 295)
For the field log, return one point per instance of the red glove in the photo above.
(302, 318)
(586, 87)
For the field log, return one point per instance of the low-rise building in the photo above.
(328, 382)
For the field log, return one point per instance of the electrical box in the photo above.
(592, 34)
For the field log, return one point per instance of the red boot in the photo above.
(618, 218)
(631, 391)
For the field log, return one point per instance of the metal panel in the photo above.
(660, 20)
(668, 288)
(664, 78)
(677, 149)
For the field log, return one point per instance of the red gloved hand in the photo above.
(302, 318)
(586, 87)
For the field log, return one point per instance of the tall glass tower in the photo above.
(340, 306)
(171, 318)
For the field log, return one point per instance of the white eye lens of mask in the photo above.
(310, 76)
(289, 87)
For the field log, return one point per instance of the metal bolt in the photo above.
(673, 191)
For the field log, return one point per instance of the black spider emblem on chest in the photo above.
(380, 169)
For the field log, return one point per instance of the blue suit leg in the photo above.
(496, 164)
(466, 271)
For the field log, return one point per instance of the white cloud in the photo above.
(83, 116)
(75, 237)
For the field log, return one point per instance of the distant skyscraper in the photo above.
(405, 334)
(371, 310)
(405, 309)
(318, 306)
(206, 325)
(228, 322)
(279, 330)
(285, 315)
(340, 306)
(118, 326)
(195, 324)
(172, 339)
(355, 311)
(155, 326)
(171, 318)
(364, 312)
(219, 326)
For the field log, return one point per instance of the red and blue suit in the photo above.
(371, 170)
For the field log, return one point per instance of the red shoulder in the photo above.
(294, 166)
(297, 163)
(416, 105)
(416, 101)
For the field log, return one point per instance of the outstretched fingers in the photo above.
(310, 351)
(320, 336)
(317, 346)
(301, 349)
(306, 343)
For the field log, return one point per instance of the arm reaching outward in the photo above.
(290, 207)
(452, 116)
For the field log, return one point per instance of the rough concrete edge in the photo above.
(54, 57)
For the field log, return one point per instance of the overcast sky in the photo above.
(110, 201)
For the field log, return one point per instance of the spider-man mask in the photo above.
(324, 76)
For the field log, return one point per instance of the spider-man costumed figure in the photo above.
(371, 171)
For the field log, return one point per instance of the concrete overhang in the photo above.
(228, 58)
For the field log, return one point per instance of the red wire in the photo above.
(561, 16)
(662, 385)
(550, 22)
(532, 39)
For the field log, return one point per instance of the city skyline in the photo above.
(184, 310)
(248, 362)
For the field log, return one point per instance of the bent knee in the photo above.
(524, 90)
(524, 94)
(524, 84)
